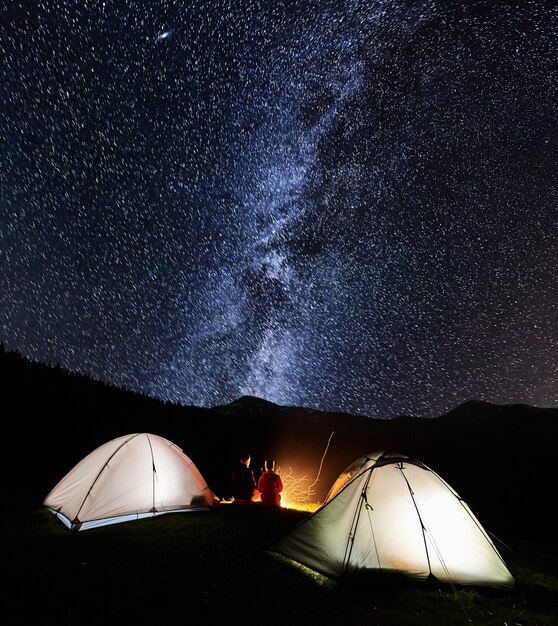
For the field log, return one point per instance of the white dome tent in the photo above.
(129, 478)
(389, 514)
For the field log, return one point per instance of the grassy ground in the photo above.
(213, 568)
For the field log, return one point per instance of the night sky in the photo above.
(342, 205)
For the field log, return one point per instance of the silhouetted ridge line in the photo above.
(62, 416)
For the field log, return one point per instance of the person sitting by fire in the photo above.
(270, 485)
(243, 481)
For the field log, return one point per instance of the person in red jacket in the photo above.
(270, 485)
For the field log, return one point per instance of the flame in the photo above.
(298, 492)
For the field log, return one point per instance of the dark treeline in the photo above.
(500, 459)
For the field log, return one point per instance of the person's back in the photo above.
(243, 486)
(270, 485)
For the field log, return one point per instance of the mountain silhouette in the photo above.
(499, 458)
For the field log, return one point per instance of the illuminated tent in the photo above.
(388, 514)
(129, 478)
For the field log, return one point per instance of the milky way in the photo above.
(344, 205)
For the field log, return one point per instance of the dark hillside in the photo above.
(499, 458)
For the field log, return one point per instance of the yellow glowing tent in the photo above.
(128, 478)
(389, 514)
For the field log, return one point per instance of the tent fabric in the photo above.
(130, 477)
(389, 514)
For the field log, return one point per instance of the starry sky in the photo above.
(342, 205)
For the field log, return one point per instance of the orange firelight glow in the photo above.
(298, 491)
